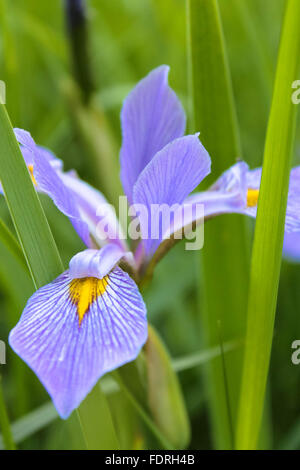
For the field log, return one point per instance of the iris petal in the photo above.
(94, 209)
(98, 263)
(236, 191)
(152, 116)
(167, 180)
(291, 246)
(69, 355)
(292, 219)
(49, 181)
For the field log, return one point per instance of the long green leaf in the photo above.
(269, 232)
(225, 257)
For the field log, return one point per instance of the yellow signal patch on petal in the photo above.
(30, 168)
(252, 197)
(84, 291)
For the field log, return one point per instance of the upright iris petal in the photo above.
(168, 179)
(152, 116)
(74, 330)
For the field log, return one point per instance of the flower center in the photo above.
(84, 291)
(252, 197)
(30, 168)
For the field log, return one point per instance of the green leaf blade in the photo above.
(269, 232)
(225, 251)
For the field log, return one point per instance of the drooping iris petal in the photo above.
(87, 208)
(27, 142)
(237, 191)
(165, 182)
(152, 116)
(24, 138)
(291, 246)
(48, 180)
(292, 219)
(28, 155)
(96, 212)
(98, 263)
(73, 331)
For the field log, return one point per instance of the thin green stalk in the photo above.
(225, 252)
(269, 232)
(4, 423)
(32, 228)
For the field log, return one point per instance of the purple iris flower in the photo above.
(92, 318)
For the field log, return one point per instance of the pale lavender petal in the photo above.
(29, 147)
(24, 138)
(230, 195)
(55, 162)
(292, 219)
(227, 195)
(291, 246)
(49, 181)
(165, 183)
(69, 357)
(97, 263)
(94, 209)
(152, 116)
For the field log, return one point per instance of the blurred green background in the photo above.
(127, 38)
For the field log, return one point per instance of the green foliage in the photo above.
(269, 232)
(224, 284)
(127, 39)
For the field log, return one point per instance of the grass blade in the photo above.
(225, 255)
(269, 231)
